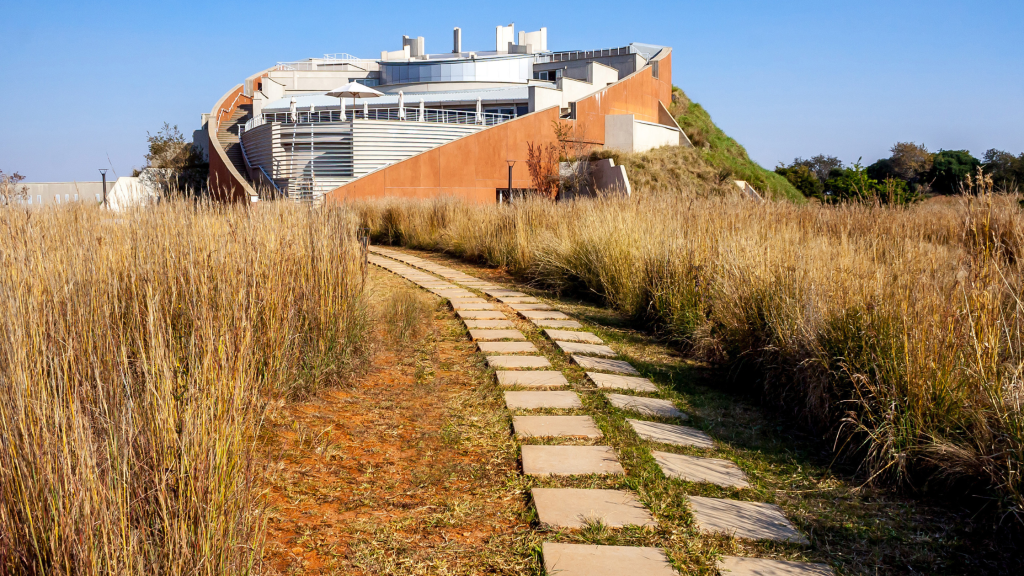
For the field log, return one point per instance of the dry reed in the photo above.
(896, 331)
(137, 350)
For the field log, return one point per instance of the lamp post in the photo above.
(103, 173)
(510, 163)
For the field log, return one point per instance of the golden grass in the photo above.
(895, 331)
(136, 353)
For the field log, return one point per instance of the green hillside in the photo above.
(706, 169)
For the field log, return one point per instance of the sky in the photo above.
(83, 82)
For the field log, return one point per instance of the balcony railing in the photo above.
(412, 114)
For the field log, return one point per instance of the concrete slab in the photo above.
(619, 382)
(671, 434)
(517, 299)
(695, 469)
(496, 335)
(737, 566)
(572, 336)
(582, 348)
(518, 362)
(481, 314)
(501, 293)
(556, 323)
(751, 520)
(646, 406)
(532, 378)
(460, 305)
(543, 315)
(593, 560)
(575, 508)
(570, 460)
(537, 306)
(474, 300)
(604, 365)
(529, 400)
(506, 347)
(555, 426)
(477, 324)
(453, 294)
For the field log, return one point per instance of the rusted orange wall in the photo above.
(472, 167)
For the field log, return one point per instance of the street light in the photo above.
(103, 173)
(510, 163)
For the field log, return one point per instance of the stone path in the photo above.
(564, 508)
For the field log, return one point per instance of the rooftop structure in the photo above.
(280, 133)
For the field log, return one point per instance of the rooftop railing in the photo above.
(586, 54)
(411, 114)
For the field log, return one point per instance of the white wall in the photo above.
(60, 193)
(626, 133)
(541, 98)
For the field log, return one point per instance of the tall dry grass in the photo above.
(135, 354)
(896, 331)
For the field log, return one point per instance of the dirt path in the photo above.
(406, 469)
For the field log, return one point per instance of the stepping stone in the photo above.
(481, 314)
(543, 315)
(518, 362)
(646, 406)
(467, 301)
(593, 560)
(453, 294)
(556, 323)
(473, 324)
(460, 305)
(518, 299)
(737, 566)
(570, 336)
(580, 348)
(531, 378)
(575, 507)
(671, 434)
(506, 347)
(530, 400)
(505, 294)
(751, 520)
(622, 382)
(517, 306)
(604, 364)
(570, 460)
(694, 469)
(496, 335)
(552, 426)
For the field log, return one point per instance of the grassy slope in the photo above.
(706, 169)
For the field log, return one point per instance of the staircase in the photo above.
(227, 135)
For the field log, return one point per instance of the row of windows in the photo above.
(56, 199)
(498, 70)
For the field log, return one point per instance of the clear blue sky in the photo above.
(84, 81)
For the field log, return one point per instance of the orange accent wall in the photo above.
(226, 184)
(472, 167)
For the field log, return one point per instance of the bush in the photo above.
(855, 184)
(949, 169)
(802, 179)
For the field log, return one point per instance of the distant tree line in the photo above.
(908, 174)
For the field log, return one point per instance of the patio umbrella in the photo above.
(353, 90)
(479, 111)
(312, 110)
(291, 110)
(366, 111)
(401, 105)
(423, 111)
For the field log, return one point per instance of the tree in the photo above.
(884, 169)
(574, 150)
(949, 169)
(11, 188)
(820, 165)
(168, 150)
(802, 179)
(910, 161)
(855, 184)
(543, 164)
(1005, 169)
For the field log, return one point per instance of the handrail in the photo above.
(230, 106)
(564, 55)
(411, 114)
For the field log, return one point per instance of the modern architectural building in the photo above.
(439, 124)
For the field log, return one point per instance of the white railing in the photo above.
(412, 114)
(341, 56)
(587, 54)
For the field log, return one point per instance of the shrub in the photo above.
(802, 179)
